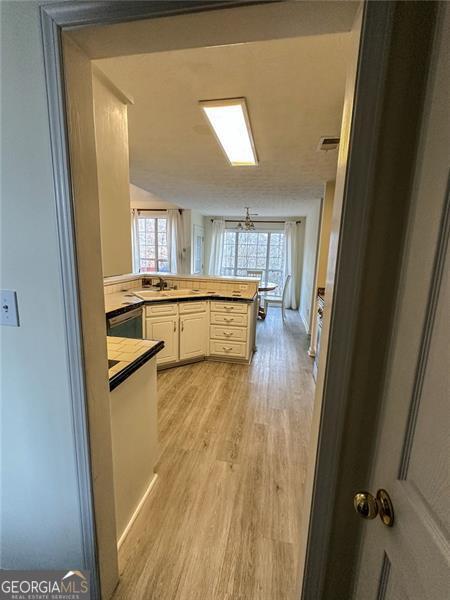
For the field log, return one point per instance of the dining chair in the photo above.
(259, 274)
(278, 299)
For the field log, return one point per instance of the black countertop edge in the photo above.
(120, 377)
(124, 309)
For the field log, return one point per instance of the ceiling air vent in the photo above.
(328, 143)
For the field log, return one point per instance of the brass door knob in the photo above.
(368, 506)
(365, 505)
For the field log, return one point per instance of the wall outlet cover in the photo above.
(8, 307)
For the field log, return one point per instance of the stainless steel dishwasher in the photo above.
(127, 325)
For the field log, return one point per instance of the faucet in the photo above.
(162, 284)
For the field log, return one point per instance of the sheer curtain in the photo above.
(291, 262)
(175, 240)
(217, 239)
(135, 239)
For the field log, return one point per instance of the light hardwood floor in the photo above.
(223, 520)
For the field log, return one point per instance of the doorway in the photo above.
(87, 276)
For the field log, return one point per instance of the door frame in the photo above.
(351, 273)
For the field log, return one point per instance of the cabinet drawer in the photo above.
(152, 310)
(231, 307)
(218, 318)
(226, 348)
(191, 307)
(218, 332)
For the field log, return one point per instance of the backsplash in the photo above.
(245, 287)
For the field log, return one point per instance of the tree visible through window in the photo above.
(153, 249)
(255, 251)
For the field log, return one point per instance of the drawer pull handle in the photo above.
(227, 348)
(227, 333)
(228, 320)
(229, 307)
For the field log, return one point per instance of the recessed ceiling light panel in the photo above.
(231, 125)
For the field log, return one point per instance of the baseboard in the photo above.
(137, 511)
(209, 357)
(181, 363)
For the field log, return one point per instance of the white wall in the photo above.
(307, 292)
(40, 513)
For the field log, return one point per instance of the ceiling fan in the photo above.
(247, 224)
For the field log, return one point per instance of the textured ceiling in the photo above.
(294, 90)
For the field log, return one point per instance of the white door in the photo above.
(165, 329)
(198, 249)
(410, 560)
(193, 339)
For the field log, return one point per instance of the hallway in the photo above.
(222, 521)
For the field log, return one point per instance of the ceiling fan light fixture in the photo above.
(230, 123)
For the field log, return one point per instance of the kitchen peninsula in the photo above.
(134, 424)
(197, 317)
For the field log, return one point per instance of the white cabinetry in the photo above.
(193, 331)
(164, 328)
(183, 327)
(230, 325)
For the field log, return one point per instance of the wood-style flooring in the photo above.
(222, 521)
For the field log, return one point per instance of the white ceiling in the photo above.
(294, 90)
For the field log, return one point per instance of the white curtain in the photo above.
(217, 240)
(175, 241)
(135, 239)
(291, 262)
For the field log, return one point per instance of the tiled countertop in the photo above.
(121, 302)
(113, 302)
(130, 354)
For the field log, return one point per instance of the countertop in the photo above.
(121, 302)
(130, 354)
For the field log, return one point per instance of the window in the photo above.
(153, 249)
(255, 251)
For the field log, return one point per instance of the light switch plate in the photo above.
(8, 308)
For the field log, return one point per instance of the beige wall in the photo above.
(325, 232)
(113, 176)
(134, 428)
(140, 198)
(79, 85)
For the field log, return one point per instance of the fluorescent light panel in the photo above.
(231, 125)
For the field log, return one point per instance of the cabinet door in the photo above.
(165, 329)
(193, 340)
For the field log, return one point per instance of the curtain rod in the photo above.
(256, 222)
(180, 210)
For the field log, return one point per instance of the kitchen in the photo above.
(240, 485)
(197, 292)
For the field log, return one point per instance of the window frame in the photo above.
(156, 217)
(267, 267)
